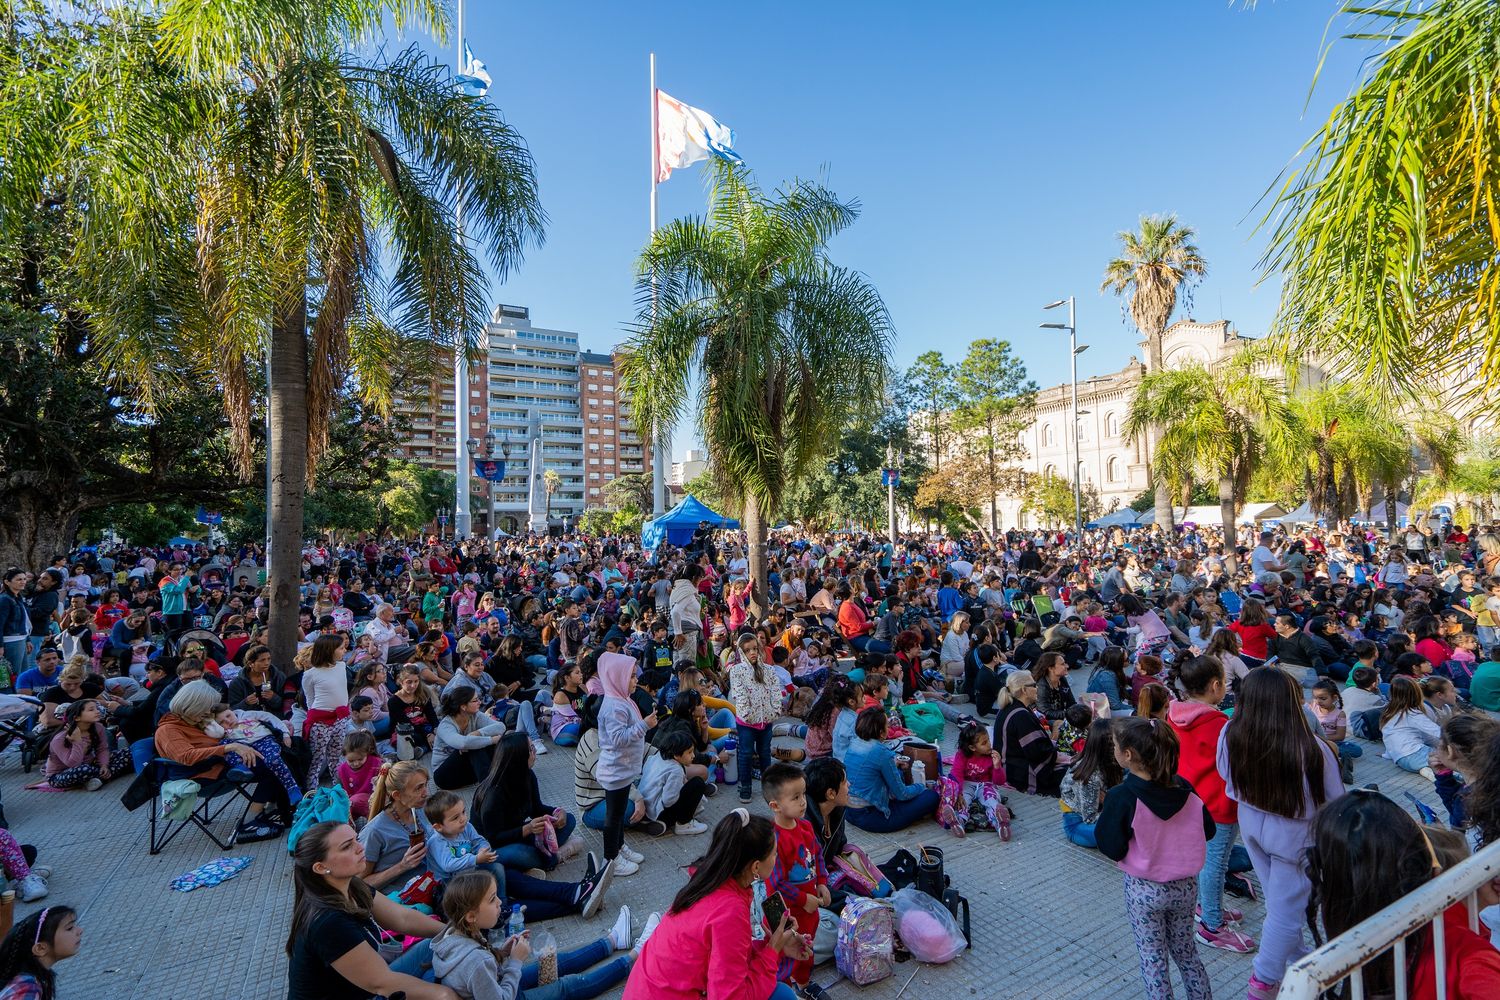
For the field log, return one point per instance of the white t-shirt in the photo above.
(1260, 559)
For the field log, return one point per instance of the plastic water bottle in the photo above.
(918, 772)
(517, 921)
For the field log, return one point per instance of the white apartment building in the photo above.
(694, 463)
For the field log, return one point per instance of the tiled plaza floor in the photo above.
(1048, 917)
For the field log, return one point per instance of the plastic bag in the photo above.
(544, 953)
(926, 927)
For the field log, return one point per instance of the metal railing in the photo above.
(1344, 956)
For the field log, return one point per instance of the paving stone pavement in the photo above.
(1048, 917)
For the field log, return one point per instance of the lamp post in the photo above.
(486, 448)
(1074, 350)
(442, 520)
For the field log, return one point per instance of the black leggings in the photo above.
(615, 802)
(686, 806)
(463, 768)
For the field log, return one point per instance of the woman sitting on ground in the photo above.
(881, 800)
(181, 738)
(464, 745)
(509, 812)
(1031, 760)
(335, 938)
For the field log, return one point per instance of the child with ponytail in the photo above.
(1155, 827)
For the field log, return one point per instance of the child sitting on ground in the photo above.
(971, 790)
(799, 874)
(1363, 702)
(877, 689)
(1439, 698)
(262, 732)
(671, 796)
(1074, 729)
(1328, 706)
(1093, 773)
(1147, 671)
(1409, 735)
(455, 845)
(356, 773)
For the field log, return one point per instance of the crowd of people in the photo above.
(1197, 706)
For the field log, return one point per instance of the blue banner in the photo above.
(489, 469)
(212, 517)
(890, 477)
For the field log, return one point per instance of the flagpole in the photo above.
(661, 442)
(461, 522)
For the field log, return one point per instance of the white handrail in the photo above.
(1364, 942)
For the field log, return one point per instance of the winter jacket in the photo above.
(500, 816)
(622, 731)
(471, 970)
(756, 702)
(1198, 727)
(1154, 832)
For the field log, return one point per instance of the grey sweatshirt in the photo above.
(471, 970)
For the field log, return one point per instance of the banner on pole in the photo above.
(890, 477)
(490, 470)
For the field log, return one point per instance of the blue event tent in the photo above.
(677, 525)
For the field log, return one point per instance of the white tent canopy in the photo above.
(1211, 516)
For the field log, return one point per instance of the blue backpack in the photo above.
(331, 803)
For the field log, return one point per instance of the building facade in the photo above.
(1116, 466)
(535, 388)
(694, 463)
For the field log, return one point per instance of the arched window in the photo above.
(1111, 425)
(1050, 471)
(1112, 470)
(1046, 434)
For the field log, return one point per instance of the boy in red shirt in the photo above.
(800, 875)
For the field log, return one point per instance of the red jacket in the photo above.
(1198, 727)
(1473, 963)
(853, 621)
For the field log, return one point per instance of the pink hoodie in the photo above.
(705, 951)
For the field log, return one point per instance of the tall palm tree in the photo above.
(1385, 235)
(255, 183)
(1213, 423)
(784, 343)
(1156, 267)
(551, 483)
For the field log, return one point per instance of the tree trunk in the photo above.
(994, 510)
(289, 468)
(1163, 493)
(755, 542)
(35, 526)
(1226, 517)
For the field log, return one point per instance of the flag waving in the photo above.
(474, 81)
(685, 135)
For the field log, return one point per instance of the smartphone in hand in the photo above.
(774, 909)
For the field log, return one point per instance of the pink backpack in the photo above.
(866, 943)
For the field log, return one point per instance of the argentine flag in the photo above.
(474, 81)
(685, 134)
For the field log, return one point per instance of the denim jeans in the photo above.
(15, 652)
(537, 661)
(1350, 749)
(902, 813)
(859, 642)
(1414, 762)
(1211, 877)
(593, 816)
(723, 719)
(577, 979)
(524, 855)
(878, 646)
(757, 742)
(1078, 832)
(526, 719)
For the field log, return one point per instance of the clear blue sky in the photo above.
(995, 148)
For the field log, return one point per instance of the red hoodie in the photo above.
(1197, 727)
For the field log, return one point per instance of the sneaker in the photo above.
(651, 924)
(540, 874)
(250, 833)
(45, 871)
(622, 868)
(1229, 913)
(634, 857)
(948, 819)
(690, 829)
(709, 790)
(1259, 989)
(744, 796)
(650, 827)
(539, 748)
(93, 784)
(1239, 884)
(1226, 938)
(619, 934)
(591, 867)
(32, 887)
(591, 891)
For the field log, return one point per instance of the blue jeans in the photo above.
(537, 661)
(723, 719)
(879, 646)
(902, 813)
(859, 642)
(756, 742)
(1211, 877)
(524, 855)
(1414, 762)
(15, 652)
(576, 977)
(526, 719)
(1350, 749)
(593, 816)
(1078, 832)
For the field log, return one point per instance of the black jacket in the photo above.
(500, 817)
(833, 839)
(1296, 650)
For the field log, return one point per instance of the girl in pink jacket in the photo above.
(79, 755)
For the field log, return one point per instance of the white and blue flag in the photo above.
(685, 134)
(474, 81)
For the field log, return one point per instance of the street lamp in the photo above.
(442, 520)
(487, 449)
(1074, 350)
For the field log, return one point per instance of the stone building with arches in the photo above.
(1114, 465)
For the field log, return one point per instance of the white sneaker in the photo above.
(45, 871)
(619, 934)
(691, 828)
(32, 887)
(634, 857)
(624, 867)
(539, 748)
(640, 942)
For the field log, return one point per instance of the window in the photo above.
(593, 475)
(594, 491)
(593, 461)
(593, 371)
(1112, 470)
(593, 447)
(1111, 426)
(1046, 434)
(593, 387)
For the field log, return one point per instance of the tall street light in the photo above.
(486, 449)
(1074, 350)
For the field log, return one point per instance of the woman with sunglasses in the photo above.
(1032, 762)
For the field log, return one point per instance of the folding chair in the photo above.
(216, 796)
(1045, 611)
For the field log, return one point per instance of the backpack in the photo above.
(854, 872)
(331, 803)
(924, 720)
(866, 942)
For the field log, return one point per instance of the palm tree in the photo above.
(1385, 236)
(784, 343)
(1213, 423)
(253, 184)
(1156, 267)
(551, 483)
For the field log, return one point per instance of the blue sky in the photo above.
(996, 148)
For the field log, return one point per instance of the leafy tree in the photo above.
(627, 521)
(783, 342)
(243, 162)
(928, 394)
(968, 488)
(994, 404)
(1050, 497)
(1201, 496)
(1385, 236)
(1156, 267)
(410, 496)
(597, 521)
(628, 492)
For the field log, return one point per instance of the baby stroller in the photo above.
(212, 644)
(18, 716)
